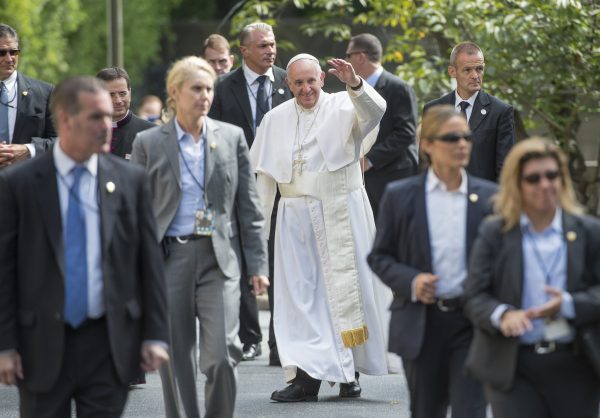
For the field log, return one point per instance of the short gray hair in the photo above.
(248, 29)
(469, 48)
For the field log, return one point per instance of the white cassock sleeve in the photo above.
(267, 189)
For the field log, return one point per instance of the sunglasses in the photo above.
(349, 54)
(455, 137)
(535, 178)
(12, 52)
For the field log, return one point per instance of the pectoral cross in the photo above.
(299, 162)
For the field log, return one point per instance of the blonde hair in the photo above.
(182, 70)
(433, 119)
(507, 202)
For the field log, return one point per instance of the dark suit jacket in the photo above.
(232, 104)
(32, 267)
(493, 126)
(496, 277)
(126, 134)
(402, 250)
(33, 123)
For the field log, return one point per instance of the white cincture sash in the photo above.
(336, 249)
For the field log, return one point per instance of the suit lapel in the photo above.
(573, 236)
(171, 148)
(381, 83)
(239, 91)
(49, 206)
(212, 137)
(481, 109)
(421, 223)
(109, 200)
(23, 99)
(474, 213)
(278, 95)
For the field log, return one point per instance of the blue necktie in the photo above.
(75, 255)
(262, 103)
(4, 133)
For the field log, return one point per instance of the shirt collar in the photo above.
(434, 183)
(64, 164)
(181, 133)
(374, 78)
(555, 225)
(471, 100)
(124, 121)
(251, 76)
(10, 81)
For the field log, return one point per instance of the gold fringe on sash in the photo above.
(356, 336)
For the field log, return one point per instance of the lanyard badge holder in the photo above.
(205, 222)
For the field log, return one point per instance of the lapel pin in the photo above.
(110, 187)
(473, 198)
(571, 236)
(483, 111)
(24, 94)
(280, 91)
(213, 145)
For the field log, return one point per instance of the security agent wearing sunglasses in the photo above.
(25, 123)
(425, 231)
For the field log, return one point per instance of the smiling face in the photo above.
(541, 194)
(194, 96)
(8, 63)
(120, 95)
(259, 51)
(449, 155)
(305, 79)
(468, 72)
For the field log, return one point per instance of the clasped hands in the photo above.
(259, 284)
(11, 153)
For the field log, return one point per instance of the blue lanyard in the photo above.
(203, 141)
(546, 269)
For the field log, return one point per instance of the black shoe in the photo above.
(350, 390)
(274, 357)
(293, 393)
(251, 351)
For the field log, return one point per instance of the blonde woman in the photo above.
(533, 288)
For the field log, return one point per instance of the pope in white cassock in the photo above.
(327, 323)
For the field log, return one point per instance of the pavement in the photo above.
(382, 396)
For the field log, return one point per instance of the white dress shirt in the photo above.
(471, 100)
(252, 86)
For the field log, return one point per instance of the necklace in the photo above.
(300, 161)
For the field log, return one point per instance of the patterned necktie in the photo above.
(4, 133)
(76, 299)
(262, 103)
(463, 108)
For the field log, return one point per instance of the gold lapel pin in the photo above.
(24, 94)
(110, 187)
(571, 236)
(473, 198)
(280, 91)
(213, 145)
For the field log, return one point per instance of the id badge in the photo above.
(556, 329)
(204, 222)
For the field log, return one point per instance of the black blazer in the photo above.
(126, 134)
(493, 126)
(496, 277)
(33, 123)
(232, 104)
(402, 250)
(32, 267)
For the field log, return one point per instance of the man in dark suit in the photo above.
(394, 154)
(126, 125)
(25, 122)
(78, 322)
(425, 231)
(242, 97)
(490, 119)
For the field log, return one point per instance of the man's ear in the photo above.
(452, 71)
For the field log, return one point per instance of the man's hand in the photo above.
(549, 309)
(344, 71)
(153, 356)
(515, 322)
(365, 165)
(425, 285)
(11, 368)
(259, 284)
(12, 153)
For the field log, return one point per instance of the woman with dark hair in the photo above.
(533, 289)
(425, 229)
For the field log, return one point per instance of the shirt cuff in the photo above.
(157, 342)
(356, 93)
(413, 290)
(567, 307)
(496, 317)
(31, 149)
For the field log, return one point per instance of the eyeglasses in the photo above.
(349, 54)
(454, 137)
(535, 178)
(12, 52)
